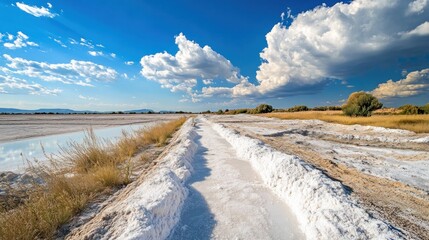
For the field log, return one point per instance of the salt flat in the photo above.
(15, 127)
(386, 170)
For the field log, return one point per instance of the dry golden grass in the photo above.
(160, 133)
(80, 173)
(91, 153)
(128, 145)
(415, 123)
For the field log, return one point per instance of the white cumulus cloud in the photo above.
(36, 11)
(75, 72)
(417, 6)
(129, 63)
(335, 43)
(18, 41)
(14, 85)
(192, 63)
(415, 83)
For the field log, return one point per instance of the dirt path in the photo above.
(227, 199)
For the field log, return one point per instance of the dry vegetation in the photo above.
(80, 173)
(415, 123)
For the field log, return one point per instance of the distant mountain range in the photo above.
(139, 111)
(64, 111)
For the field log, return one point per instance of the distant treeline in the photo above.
(265, 108)
(407, 109)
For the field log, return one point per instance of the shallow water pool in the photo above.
(13, 155)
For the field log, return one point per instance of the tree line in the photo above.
(359, 104)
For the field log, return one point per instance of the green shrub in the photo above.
(321, 108)
(263, 108)
(361, 104)
(425, 109)
(298, 108)
(409, 109)
(238, 111)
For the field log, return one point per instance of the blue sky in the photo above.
(199, 55)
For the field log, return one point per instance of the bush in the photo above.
(361, 104)
(298, 109)
(425, 109)
(263, 108)
(409, 109)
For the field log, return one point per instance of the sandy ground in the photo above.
(386, 170)
(16, 127)
(228, 200)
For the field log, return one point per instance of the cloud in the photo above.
(421, 30)
(129, 63)
(21, 40)
(415, 83)
(59, 42)
(75, 72)
(73, 41)
(36, 11)
(207, 81)
(96, 53)
(417, 6)
(336, 42)
(14, 85)
(113, 55)
(89, 44)
(86, 43)
(88, 98)
(192, 63)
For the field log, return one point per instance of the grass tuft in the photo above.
(160, 133)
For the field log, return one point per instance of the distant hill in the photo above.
(43, 110)
(63, 111)
(13, 110)
(139, 111)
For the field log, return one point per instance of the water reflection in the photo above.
(13, 154)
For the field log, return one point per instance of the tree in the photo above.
(264, 108)
(361, 104)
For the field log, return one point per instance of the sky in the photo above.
(207, 55)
